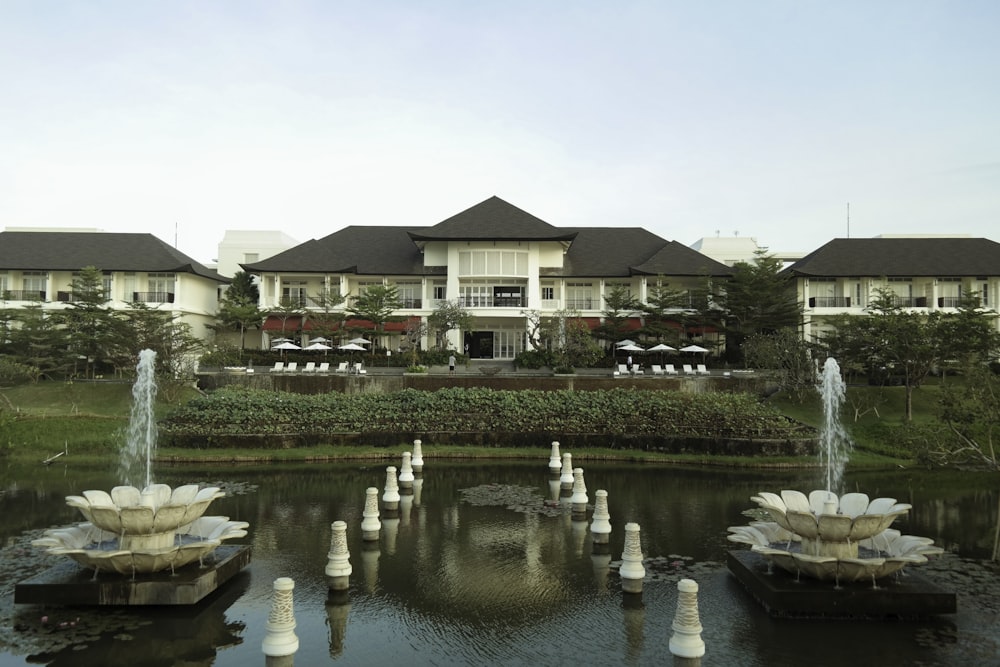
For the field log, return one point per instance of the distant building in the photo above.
(240, 246)
(729, 250)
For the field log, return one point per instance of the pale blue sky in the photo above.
(687, 118)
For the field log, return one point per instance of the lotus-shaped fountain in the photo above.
(829, 538)
(131, 531)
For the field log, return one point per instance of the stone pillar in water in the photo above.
(579, 497)
(417, 461)
(555, 461)
(632, 572)
(370, 525)
(280, 639)
(566, 476)
(390, 499)
(600, 527)
(338, 563)
(406, 475)
(686, 641)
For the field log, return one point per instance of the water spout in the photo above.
(835, 444)
(136, 455)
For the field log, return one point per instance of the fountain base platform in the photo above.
(911, 596)
(70, 584)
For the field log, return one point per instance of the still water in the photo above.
(458, 583)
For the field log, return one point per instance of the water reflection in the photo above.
(454, 583)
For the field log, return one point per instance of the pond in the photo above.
(460, 578)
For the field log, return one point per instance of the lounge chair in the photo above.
(669, 369)
(687, 369)
(358, 369)
(293, 367)
(657, 369)
(702, 370)
(310, 367)
(279, 366)
(636, 369)
(323, 367)
(341, 367)
(622, 370)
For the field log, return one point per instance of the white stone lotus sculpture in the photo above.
(820, 535)
(130, 531)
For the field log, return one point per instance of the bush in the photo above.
(533, 359)
(223, 355)
(416, 369)
(12, 373)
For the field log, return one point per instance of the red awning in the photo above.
(631, 324)
(289, 324)
(591, 322)
(388, 327)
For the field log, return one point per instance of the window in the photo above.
(106, 284)
(579, 296)
(4, 285)
(408, 294)
(548, 293)
(250, 257)
(440, 291)
(160, 288)
(293, 293)
(492, 263)
(34, 284)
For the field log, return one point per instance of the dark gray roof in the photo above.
(108, 251)
(625, 251)
(493, 219)
(901, 257)
(365, 250)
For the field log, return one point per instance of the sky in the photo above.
(792, 122)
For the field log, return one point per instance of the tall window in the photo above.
(160, 287)
(440, 290)
(4, 285)
(106, 285)
(408, 294)
(34, 284)
(250, 257)
(475, 296)
(579, 296)
(293, 293)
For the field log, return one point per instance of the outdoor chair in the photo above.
(702, 370)
(657, 369)
(310, 367)
(669, 369)
(687, 369)
(341, 367)
(323, 367)
(622, 370)
(636, 369)
(358, 369)
(293, 367)
(279, 366)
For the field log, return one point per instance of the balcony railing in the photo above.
(24, 295)
(829, 302)
(580, 304)
(153, 297)
(492, 302)
(949, 301)
(909, 301)
(410, 303)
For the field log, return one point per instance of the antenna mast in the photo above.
(848, 219)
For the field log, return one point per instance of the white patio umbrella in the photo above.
(352, 347)
(631, 348)
(319, 339)
(286, 345)
(317, 346)
(693, 348)
(359, 341)
(661, 348)
(624, 342)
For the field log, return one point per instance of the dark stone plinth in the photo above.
(909, 596)
(70, 584)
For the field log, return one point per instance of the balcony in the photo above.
(485, 301)
(24, 295)
(580, 304)
(829, 302)
(949, 301)
(909, 301)
(410, 303)
(153, 297)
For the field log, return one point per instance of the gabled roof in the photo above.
(355, 249)
(493, 219)
(108, 251)
(901, 257)
(677, 259)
